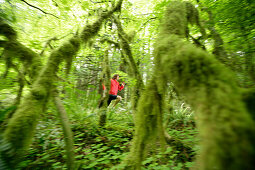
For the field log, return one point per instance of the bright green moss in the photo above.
(92, 29)
(149, 129)
(175, 21)
(21, 126)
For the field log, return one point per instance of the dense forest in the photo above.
(187, 68)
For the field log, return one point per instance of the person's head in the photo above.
(115, 77)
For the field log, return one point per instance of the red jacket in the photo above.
(115, 86)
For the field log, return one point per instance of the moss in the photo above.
(149, 129)
(226, 129)
(91, 30)
(175, 21)
(106, 76)
(248, 96)
(31, 60)
(21, 127)
(124, 43)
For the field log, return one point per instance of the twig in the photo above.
(99, 2)
(52, 39)
(146, 23)
(39, 9)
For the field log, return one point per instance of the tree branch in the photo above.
(39, 9)
(99, 2)
(146, 23)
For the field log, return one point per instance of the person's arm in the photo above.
(122, 86)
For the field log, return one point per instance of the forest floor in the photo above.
(105, 148)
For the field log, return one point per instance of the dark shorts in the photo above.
(111, 97)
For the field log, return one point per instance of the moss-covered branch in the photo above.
(91, 30)
(226, 129)
(124, 43)
(30, 60)
(14, 49)
(218, 49)
(21, 127)
(66, 129)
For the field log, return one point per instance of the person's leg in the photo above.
(109, 101)
(111, 97)
(117, 100)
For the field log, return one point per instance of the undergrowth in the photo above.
(105, 148)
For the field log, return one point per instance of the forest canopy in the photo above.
(185, 72)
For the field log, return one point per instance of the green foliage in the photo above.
(200, 80)
(125, 78)
(98, 148)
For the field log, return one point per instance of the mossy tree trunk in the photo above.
(149, 132)
(226, 128)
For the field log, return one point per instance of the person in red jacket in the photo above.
(115, 87)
